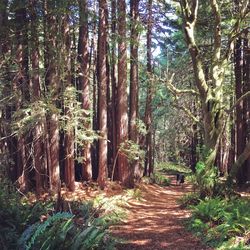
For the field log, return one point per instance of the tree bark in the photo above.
(83, 57)
(113, 72)
(148, 111)
(240, 140)
(102, 103)
(69, 134)
(52, 80)
(3, 25)
(39, 164)
(21, 88)
(210, 96)
(246, 101)
(134, 84)
(122, 96)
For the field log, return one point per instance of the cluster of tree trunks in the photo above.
(48, 72)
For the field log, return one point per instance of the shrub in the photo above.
(35, 226)
(220, 221)
(15, 214)
(161, 179)
(171, 168)
(189, 199)
(205, 179)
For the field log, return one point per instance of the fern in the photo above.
(219, 221)
(28, 232)
(42, 227)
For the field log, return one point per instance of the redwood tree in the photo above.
(66, 81)
(134, 83)
(20, 85)
(83, 58)
(122, 96)
(52, 82)
(113, 78)
(148, 111)
(102, 102)
(39, 163)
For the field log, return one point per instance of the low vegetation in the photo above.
(38, 225)
(160, 179)
(219, 215)
(171, 168)
(223, 224)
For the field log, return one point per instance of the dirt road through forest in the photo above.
(156, 222)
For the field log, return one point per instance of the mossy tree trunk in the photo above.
(211, 89)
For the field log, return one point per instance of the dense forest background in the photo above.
(100, 90)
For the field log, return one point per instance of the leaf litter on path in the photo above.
(156, 222)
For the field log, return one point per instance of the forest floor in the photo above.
(156, 221)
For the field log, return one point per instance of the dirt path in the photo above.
(156, 222)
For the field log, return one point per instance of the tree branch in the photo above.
(238, 102)
(190, 18)
(187, 112)
(217, 31)
(176, 92)
(235, 32)
(241, 159)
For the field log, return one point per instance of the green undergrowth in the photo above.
(160, 179)
(172, 168)
(221, 223)
(83, 225)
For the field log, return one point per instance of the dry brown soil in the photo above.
(156, 222)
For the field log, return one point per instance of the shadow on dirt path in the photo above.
(156, 222)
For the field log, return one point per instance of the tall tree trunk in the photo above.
(52, 81)
(246, 104)
(21, 89)
(69, 134)
(194, 145)
(148, 111)
(36, 95)
(109, 100)
(94, 66)
(7, 142)
(83, 57)
(134, 84)
(113, 72)
(232, 150)
(3, 26)
(122, 96)
(211, 95)
(240, 140)
(102, 102)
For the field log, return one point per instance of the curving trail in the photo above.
(155, 223)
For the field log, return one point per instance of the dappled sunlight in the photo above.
(156, 221)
